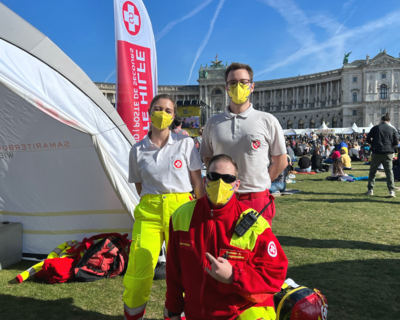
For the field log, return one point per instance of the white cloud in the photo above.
(347, 4)
(192, 13)
(207, 37)
(109, 76)
(338, 36)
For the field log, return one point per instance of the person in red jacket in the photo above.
(212, 273)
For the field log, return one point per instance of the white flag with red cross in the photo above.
(136, 65)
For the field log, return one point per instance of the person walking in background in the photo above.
(178, 127)
(199, 138)
(383, 139)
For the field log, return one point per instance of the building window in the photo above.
(334, 123)
(354, 79)
(312, 124)
(301, 124)
(383, 92)
(383, 111)
(289, 124)
(383, 75)
(354, 112)
(354, 97)
(218, 91)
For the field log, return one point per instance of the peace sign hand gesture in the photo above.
(221, 269)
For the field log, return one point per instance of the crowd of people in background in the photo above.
(329, 152)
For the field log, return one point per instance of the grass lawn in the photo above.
(337, 239)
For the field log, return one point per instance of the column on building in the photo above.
(338, 92)
(286, 103)
(200, 93)
(274, 101)
(308, 96)
(297, 97)
(330, 93)
(263, 99)
(319, 94)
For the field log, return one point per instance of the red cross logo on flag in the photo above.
(272, 251)
(178, 164)
(256, 144)
(131, 18)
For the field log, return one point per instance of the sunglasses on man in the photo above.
(227, 178)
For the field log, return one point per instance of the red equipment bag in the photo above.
(296, 302)
(106, 258)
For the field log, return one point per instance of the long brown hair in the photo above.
(337, 166)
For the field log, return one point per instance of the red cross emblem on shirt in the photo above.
(178, 164)
(131, 18)
(272, 251)
(256, 144)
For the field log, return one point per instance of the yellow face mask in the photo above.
(239, 93)
(161, 120)
(219, 192)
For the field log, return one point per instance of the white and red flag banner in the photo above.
(136, 65)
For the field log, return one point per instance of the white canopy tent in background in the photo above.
(63, 147)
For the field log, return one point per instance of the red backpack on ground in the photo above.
(106, 256)
(296, 302)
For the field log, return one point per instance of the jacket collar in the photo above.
(221, 211)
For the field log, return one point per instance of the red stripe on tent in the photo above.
(54, 113)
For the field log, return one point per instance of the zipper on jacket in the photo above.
(208, 234)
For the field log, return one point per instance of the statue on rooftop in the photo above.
(216, 63)
(346, 58)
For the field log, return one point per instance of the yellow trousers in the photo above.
(258, 313)
(150, 229)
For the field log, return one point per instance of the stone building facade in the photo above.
(360, 92)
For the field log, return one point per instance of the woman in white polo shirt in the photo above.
(163, 166)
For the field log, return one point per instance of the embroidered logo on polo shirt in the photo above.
(255, 144)
(272, 251)
(178, 164)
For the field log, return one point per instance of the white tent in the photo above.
(63, 148)
(355, 128)
(348, 130)
(323, 126)
(290, 132)
(307, 131)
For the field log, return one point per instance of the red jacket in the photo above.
(258, 271)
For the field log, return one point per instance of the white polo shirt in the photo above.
(164, 170)
(249, 138)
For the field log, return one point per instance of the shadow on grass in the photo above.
(337, 244)
(356, 290)
(353, 200)
(12, 308)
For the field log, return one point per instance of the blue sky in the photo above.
(278, 38)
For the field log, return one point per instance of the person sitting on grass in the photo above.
(345, 159)
(316, 160)
(304, 163)
(337, 169)
(279, 184)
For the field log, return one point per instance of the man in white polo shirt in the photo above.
(250, 137)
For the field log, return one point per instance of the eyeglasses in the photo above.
(245, 82)
(227, 178)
